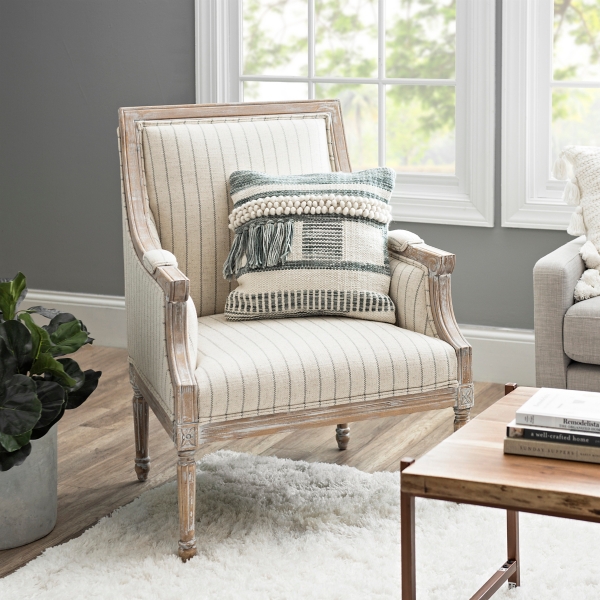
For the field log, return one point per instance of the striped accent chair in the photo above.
(207, 378)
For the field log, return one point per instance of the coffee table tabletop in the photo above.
(470, 467)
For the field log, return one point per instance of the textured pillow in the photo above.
(310, 245)
(582, 164)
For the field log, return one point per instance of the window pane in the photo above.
(346, 38)
(359, 111)
(575, 118)
(420, 128)
(420, 39)
(256, 91)
(275, 36)
(577, 40)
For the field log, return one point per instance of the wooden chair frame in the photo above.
(184, 428)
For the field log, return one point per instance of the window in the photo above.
(551, 99)
(415, 79)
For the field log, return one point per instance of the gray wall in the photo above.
(65, 68)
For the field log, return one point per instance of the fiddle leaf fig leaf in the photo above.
(10, 443)
(67, 338)
(8, 460)
(40, 338)
(46, 364)
(12, 293)
(20, 408)
(52, 397)
(78, 397)
(71, 368)
(49, 313)
(18, 342)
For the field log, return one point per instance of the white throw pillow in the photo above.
(582, 165)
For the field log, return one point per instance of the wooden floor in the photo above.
(95, 454)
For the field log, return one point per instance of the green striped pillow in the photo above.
(310, 245)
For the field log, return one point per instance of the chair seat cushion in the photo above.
(251, 368)
(582, 331)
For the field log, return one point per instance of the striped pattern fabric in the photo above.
(250, 368)
(187, 164)
(409, 290)
(312, 244)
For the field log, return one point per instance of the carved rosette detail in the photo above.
(466, 396)
(187, 437)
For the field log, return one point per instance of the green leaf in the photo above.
(49, 313)
(52, 396)
(18, 342)
(45, 363)
(39, 432)
(78, 397)
(67, 338)
(10, 443)
(20, 408)
(12, 292)
(72, 370)
(8, 363)
(40, 338)
(8, 460)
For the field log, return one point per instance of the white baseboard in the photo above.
(499, 354)
(104, 316)
(502, 355)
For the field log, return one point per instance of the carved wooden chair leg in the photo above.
(464, 403)
(342, 435)
(186, 491)
(141, 426)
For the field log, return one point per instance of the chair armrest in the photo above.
(554, 280)
(420, 289)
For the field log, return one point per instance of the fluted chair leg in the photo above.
(342, 435)
(141, 426)
(186, 492)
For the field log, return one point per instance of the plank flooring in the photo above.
(95, 464)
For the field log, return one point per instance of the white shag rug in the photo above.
(280, 529)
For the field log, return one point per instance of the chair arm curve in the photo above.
(421, 276)
(554, 278)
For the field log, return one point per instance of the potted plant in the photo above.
(37, 384)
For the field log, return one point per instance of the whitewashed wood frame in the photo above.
(465, 198)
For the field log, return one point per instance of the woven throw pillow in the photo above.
(310, 245)
(582, 165)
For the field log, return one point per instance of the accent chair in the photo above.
(207, 378)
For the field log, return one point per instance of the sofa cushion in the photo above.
(582, 331)
(251, 368)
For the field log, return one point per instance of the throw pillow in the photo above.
(582, 165)
(310, 245)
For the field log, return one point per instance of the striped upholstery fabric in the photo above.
(250, 368)
(409, 290)
(186, 169)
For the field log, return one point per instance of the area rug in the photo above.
(281, 529)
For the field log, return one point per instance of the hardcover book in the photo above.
(562, 409)
(551, 450)
(549, 434)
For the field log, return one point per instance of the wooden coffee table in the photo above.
(470, 467)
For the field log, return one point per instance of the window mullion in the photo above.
(311, 49)
(381, 85)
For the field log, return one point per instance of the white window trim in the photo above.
(464, 199)
(530, 197)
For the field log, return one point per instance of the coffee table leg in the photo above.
(407, 539)
(512, 539)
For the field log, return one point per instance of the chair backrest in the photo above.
(182, 162)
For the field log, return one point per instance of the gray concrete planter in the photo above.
(28, 495)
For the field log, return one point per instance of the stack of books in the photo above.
(563, 424)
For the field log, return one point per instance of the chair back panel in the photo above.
(187, 164)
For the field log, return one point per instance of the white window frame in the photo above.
(466, 198)
(531, 198)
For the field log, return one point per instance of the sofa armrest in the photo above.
(554, 280)
(420, 289)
